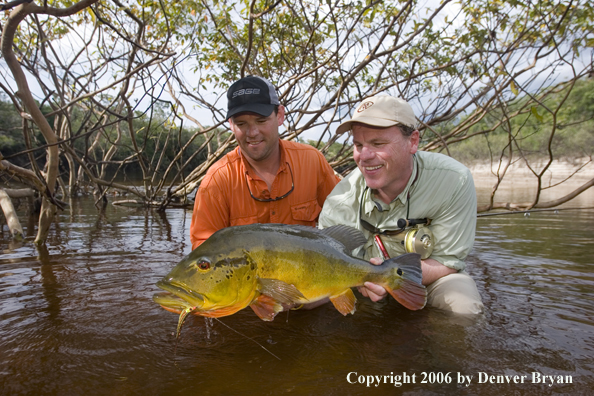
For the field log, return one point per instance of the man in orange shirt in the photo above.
(265, 179)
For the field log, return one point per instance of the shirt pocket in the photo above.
(243, 221)
(307, 211)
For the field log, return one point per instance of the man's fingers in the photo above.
(376, 261)
(373, 291)
(362, 290)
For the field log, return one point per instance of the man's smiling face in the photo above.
(384, 156)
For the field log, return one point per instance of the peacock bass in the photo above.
(268, 266)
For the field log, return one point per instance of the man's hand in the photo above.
(432, 271)
(371, 290)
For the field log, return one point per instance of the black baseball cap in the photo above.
(252, 93)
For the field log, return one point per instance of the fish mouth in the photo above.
(177, 296)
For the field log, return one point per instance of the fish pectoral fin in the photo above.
(266, 307)
(410, 294)
(345, 302)
(280, 291)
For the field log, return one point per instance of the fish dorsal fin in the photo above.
(280, 291)
(350, 237)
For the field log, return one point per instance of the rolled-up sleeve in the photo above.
(211, 213)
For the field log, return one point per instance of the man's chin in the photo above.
(373, 180)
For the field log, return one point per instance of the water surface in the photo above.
(78, 319)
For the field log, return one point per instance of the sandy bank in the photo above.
(581, 169)
(520, 183)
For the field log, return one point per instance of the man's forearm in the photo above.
(433, 270)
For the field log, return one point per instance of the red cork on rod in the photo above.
(381, 247)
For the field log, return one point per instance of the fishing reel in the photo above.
(414, 235)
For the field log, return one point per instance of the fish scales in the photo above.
(307, 259)
(271, 267)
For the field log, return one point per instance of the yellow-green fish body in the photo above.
(268, 266)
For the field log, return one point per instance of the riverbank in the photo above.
(520, 183)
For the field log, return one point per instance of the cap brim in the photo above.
(258, 108)
(372, 121)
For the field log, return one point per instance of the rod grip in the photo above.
(403, 223)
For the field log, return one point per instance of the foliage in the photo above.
(122, 80)
(11, 136)
(154, 134)
(574, 129)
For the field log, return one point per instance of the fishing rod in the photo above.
(530, 211)
(413, 234)
(416, 236)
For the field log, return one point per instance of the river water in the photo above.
(78, 319)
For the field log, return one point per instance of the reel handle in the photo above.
(404, 223)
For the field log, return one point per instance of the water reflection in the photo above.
(77, 318)
(50, 288)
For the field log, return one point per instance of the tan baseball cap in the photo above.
(381, 111)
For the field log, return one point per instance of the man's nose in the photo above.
(252, 130)
(366, 154)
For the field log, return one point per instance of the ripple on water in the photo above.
(79, 318)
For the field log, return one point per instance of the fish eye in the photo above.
(204, 265)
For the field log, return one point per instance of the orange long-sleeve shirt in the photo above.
(223, 198)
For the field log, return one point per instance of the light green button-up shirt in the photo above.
(443, 192)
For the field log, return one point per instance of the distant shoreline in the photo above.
(557, 171)
(520, 184)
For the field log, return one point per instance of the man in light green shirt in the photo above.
(395, 181)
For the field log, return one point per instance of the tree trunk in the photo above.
(11, 218)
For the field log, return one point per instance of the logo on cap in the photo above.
(364, 106)
(246, 91)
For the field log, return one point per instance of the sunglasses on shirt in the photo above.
(402, 224)
(272, 199)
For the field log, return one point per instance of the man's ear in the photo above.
(280, 115)
(415, 138)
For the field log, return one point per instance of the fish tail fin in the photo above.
(405, 282)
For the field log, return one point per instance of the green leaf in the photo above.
(513, 88)
(534, 112)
